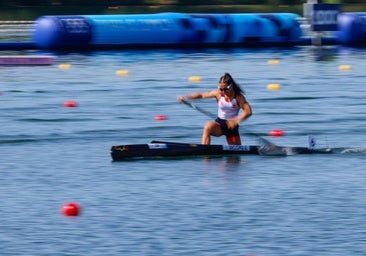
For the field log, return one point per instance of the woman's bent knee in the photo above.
(213, 128)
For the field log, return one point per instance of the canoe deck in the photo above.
(161, 149)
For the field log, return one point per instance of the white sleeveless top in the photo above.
(227, 110)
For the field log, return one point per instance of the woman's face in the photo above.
(225, 88)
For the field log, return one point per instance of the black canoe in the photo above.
(160, 149)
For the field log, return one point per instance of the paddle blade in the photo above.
(267, 148)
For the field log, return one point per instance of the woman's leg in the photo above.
(211, 129)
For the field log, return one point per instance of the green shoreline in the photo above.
(32, 13)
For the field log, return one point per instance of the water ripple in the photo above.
(248, 205)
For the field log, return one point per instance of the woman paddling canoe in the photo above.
(230, 98)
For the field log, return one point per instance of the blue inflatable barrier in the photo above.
(184, 30)
(56, 32)
(166, 29)
(352, 28)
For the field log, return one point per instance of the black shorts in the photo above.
(225, 130)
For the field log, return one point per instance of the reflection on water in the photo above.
(324, 53)
(228, 163)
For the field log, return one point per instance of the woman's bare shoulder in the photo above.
(240, 98)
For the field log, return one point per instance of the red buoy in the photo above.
(161, 117)
(70, 104)
(70, 209)
(276, 133)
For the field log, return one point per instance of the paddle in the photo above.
(268, 148)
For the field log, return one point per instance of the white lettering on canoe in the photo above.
(236, 147)
(157, 145)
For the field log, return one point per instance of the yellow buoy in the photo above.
(273, 62)
(64, 66)
(344, 67)
(194, 79)
(273, 87)
(122, 72)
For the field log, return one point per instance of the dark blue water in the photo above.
(248, 205)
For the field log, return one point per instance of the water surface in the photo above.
(248, 205)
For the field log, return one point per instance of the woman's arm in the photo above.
(246, 112)
(198, 95)
(247, 109)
